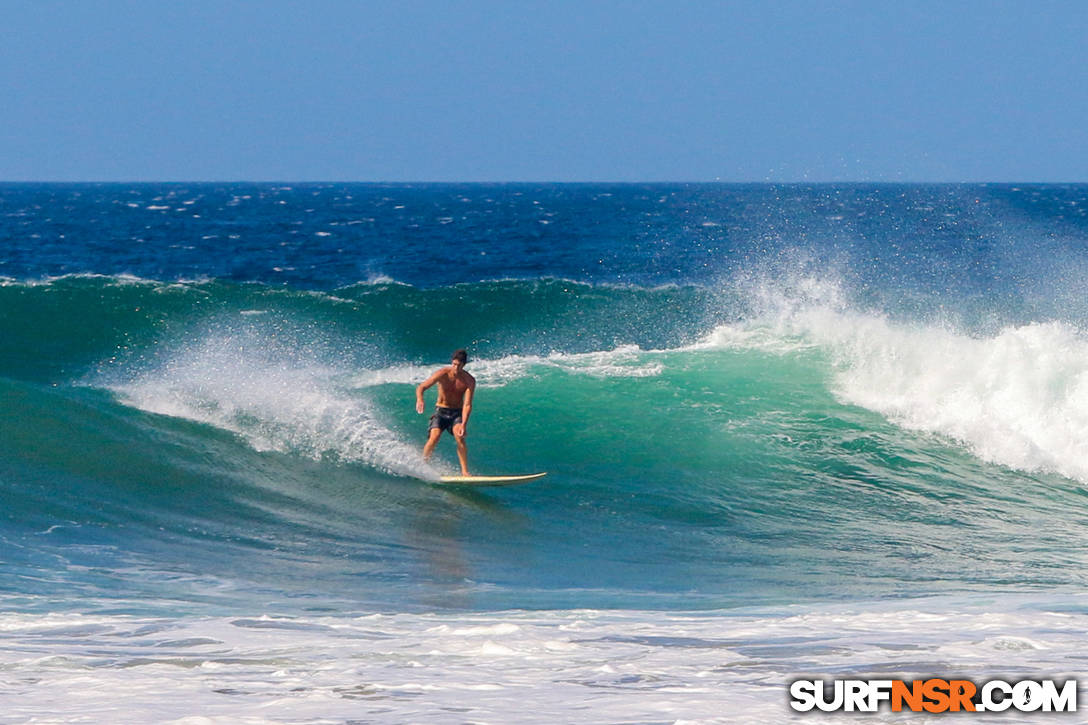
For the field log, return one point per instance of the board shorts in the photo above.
(445, 418)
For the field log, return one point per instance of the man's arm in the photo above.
(424, 385)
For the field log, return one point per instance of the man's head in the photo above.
(459, 358)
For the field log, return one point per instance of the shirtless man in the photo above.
(455, 389)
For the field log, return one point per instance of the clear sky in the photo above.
(405, 90)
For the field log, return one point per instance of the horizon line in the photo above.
(712, 182)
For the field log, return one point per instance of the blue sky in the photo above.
(544, 91)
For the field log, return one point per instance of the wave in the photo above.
(294, 370)
(1018, 399)
(756, 458)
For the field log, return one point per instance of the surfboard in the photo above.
(491, 480)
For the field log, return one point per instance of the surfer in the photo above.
(455, 389)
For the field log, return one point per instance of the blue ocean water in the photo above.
(781, 399)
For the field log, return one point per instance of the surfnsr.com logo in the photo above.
(933, 695)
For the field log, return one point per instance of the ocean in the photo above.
(791, 431)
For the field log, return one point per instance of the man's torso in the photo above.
(451, 389)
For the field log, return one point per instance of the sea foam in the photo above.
(536, 667)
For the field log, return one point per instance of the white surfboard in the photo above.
(491, 480)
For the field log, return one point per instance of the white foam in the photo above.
(623, 361)
(750, 337)
(383, 279)
(118, 280)
(377, 279)
(537, 667)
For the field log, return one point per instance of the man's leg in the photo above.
(432, 438)
(462, 455)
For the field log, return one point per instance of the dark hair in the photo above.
(460, 355)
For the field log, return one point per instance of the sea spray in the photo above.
(275, 398)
